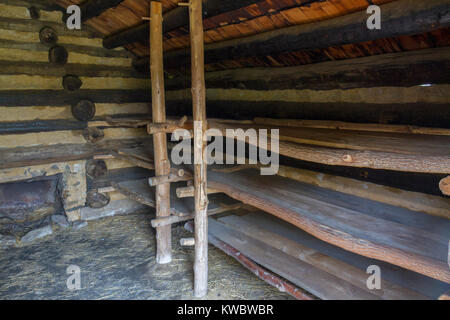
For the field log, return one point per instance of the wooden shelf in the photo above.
(378, 150)
(411, 240)
(325, 270)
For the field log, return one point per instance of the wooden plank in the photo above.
(93, 8)
(162, 164)
(415, 201)
(28, 156)
(365, 157)
(399, 281)
(190, 216)
(88, 51)
(40, 4)
(357, 277)
(402, 17)
(15, 98)
(444, 185)
(351, 230)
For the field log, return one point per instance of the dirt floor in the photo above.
(116, 259)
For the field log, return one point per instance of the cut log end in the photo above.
(444, 185)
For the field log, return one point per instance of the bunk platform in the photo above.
(408, 239)
(324, 270)
(398, 151)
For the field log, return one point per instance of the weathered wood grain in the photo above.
(356, 232)
(415, 201)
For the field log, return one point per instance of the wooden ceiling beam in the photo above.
(93, 8)
(176, 18)
(402, 17)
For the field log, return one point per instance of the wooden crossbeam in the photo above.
(402, 17)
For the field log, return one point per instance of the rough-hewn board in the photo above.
(89, 50)
(351, 230)
(403, 69)
(403, 17)
(346, 126)
(53, 125)
(419, 162)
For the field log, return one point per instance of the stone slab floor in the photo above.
(116, 259)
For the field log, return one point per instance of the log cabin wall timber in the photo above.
(39, 134)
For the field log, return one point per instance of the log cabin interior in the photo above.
(355, 117)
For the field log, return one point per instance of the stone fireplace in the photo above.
(29, 204)
(30, 196)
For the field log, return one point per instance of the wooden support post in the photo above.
(162, 165)
(200, 126)
(176, 219)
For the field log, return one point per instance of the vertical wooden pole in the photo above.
(162, 164)
(200, 126)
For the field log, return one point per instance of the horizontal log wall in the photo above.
(39, 135)
(417, 105)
